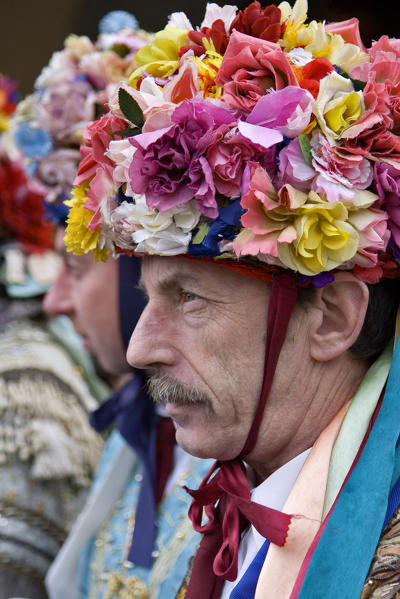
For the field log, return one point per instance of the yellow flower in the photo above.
(208, 68)
(4, 121)
(325, 239)
(337, 105)
(161, 58)
(79, 239)
(294, 20)
(344, 112)
(319, 42)
(304, 231)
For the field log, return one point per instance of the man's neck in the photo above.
(315, 401)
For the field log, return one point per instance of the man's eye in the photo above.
(187, 296)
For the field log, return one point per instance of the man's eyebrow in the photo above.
(173, 281)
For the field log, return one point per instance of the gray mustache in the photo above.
(164, 389)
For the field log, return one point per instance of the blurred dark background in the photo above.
(30, 31)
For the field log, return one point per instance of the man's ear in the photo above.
(340, 309)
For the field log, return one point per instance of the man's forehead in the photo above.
(165, 273)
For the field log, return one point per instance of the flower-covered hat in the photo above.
(258, 136)
(28, 264)
(47, 128)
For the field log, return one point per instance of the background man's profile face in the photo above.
(87, 292)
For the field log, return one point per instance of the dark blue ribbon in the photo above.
(133, 413)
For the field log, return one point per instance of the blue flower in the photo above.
(34, 143)
(323, 278)
(220, 229)
(57, 212)
(121, 197)
(116, 20)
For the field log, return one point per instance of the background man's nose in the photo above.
(57, 300)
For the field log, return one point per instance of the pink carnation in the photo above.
(97, 137)
(373, 233)
(387, 184)
(169, 165)
(293, 169)
(341, 169)
(251, 66)
(377, 143)
(228, 155)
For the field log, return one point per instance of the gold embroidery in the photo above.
(383, 580)
(125, 588)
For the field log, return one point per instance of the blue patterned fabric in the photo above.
(105, 558)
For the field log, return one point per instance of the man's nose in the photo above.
(149, 345)
(57, 300)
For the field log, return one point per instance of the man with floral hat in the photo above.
(255, 163)
(48, 451)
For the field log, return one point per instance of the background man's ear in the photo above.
(340, 309)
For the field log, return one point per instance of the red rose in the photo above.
(262, 23)
(216, 33)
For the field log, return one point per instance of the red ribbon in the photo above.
(224, 494)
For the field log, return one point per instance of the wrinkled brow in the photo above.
(169, 282)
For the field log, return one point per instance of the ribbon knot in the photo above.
(224, 497)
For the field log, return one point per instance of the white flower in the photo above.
(225, 13)
(180, 20)
(121, 152)
(300, 56)
(150, 231)
(149, 86)
(60, 69)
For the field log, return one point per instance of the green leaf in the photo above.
(201, 233)
(305, 148)
(129, 132)
(358, 85)
(130, 108)
(121, 49)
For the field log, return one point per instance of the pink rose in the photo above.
(251, 66)
(65, 108)
(349, 30)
